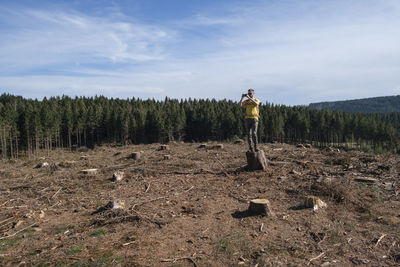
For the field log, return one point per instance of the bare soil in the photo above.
(190, 209)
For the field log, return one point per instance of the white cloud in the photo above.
(63, 38)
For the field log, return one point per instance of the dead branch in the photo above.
(223, 167)
(148, 219)
(189, 189)
(23, 206)
(316, 258)
(147, 187)
(6, 220)
(58, 191)
(4, 237)
(6, 202)
(177, 259)
(145, 202)
(379, 240)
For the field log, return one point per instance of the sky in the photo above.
(291, 52)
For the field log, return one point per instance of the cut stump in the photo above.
(118, 176)
(260, 207)
(116, 204)
(313, 202)
(164, 147)
(219, 146)
(256, 160)
(42, 165)
(135, 155)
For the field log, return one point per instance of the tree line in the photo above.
(373, 104)
(28, 126)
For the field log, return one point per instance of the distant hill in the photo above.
(374, 104)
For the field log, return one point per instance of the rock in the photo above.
(203, 146)
(167, 156)
(118, 176)
(261, 207)
(134, 155)
(256, 160)
(89, 171)
(313, 202)
(219, 146)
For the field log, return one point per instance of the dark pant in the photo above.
(251, 130)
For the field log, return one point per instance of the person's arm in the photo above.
(241, 100)
(254, 101)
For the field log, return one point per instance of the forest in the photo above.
(28, 126)
(366, 105)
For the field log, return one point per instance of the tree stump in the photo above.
(164, 147)
(42, 165)
(313, 202)
(116, 204)
(260, 207)
(256, 160)
(219, 146)
(118, 176)
(135, 155)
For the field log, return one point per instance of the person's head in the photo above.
(250, 92)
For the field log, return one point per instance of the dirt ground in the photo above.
(190, 209)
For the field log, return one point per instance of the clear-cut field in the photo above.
(190, 209)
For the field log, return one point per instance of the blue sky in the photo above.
(290, 52)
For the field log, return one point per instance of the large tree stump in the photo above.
(261, 207)
(256, 160)
(134, 155)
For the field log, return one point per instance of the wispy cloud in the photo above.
(65, 38)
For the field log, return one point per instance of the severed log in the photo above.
(261, 207)
(256, 160)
